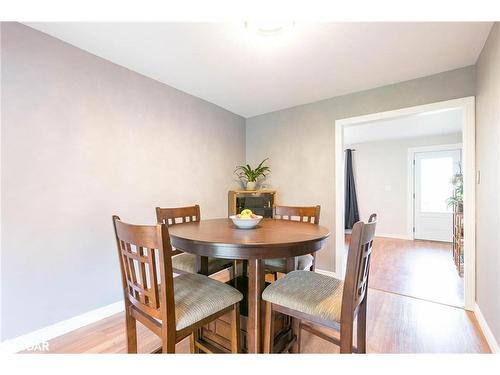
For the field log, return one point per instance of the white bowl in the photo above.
(245, 223)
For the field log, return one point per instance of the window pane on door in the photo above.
(435, 184)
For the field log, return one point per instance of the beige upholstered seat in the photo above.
(187, 263)
(197, 297)
(308, 292)
(304, 262)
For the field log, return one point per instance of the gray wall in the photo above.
(488, 162)
(82, 139)
(300, 141)
(381, 173)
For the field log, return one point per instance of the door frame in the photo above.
(467, 105)
(411, 180)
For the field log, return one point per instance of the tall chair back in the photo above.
(145, 256)
(303, 214)
(358, 268)
(178, 215)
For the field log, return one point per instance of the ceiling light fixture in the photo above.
(269, 28)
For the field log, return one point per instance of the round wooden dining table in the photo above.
(220, 238)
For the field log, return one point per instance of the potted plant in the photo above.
(457, 199)
(251, 176)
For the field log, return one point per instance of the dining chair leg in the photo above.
(296, 329)
(269, 329)
(346, 338)
(131, 328)
(167, 341)
(235, 329)
(195, 336)
(361, 328)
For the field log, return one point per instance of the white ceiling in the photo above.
(248, 74)
(421, 125)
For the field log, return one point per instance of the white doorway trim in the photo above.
(467, 105)
(411, 179)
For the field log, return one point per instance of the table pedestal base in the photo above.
(218, 333)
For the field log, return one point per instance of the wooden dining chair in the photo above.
(309, 297)
(172, 308)
(303, 214)
(184, 262)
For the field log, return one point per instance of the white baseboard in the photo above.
(42, 335)
(393, 235)
(492, 342)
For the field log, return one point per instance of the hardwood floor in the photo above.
(399, 324)
(396, 324)
(420, 269)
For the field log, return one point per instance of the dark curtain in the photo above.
(351, 201)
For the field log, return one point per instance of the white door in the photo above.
(433, 218)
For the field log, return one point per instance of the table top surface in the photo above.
(268, 233)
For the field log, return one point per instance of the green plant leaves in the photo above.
(251, 175)
(458, 190)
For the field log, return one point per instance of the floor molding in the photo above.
(45, 334)
(490, 339)
(396, 236)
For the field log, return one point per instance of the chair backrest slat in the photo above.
(178, 215)
(303, 214)
(142, 269)
(358, 267)
(153, 277)
(144, 250)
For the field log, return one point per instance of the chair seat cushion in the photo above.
(309, 293)
(197, 297)
(304, 262)
(187, 263)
